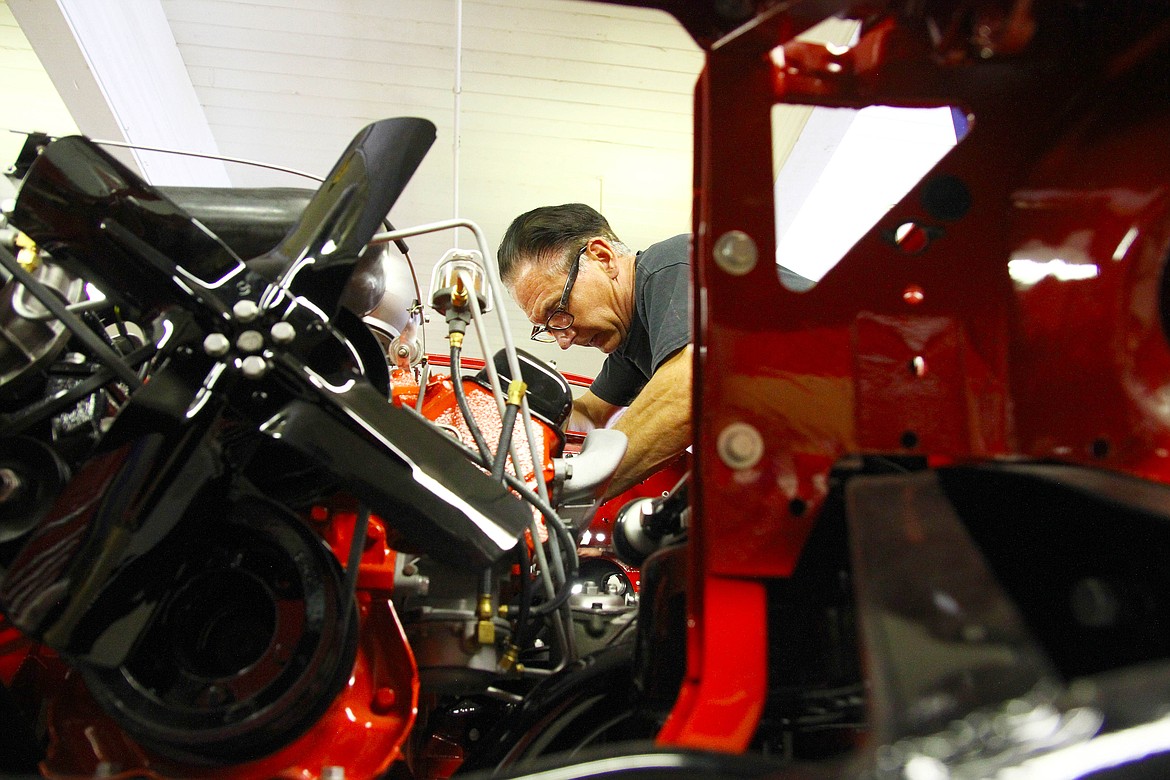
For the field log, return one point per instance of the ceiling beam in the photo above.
(119, 72)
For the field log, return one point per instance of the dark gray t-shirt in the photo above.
(661, 325)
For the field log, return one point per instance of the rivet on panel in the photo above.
(912, 238)
(740, 445)
(735, 252)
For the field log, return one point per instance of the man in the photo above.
(579, 284)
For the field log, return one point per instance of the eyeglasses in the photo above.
(560, 319)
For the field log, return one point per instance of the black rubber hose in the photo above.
(357, 545)
(505, 437)
(465, 410)
(552, 521)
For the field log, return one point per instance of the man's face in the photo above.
(597, 298)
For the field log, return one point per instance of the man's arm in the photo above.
(657, 423)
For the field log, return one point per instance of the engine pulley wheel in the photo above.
(245, 652)
(31, 477)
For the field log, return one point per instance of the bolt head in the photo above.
(216, 345)
(736, 253)
(283, 332)
(254, 367)
(384, 699)
(740, 446)
(245, 310)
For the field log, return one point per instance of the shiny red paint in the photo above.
(475, 364)
(363, 730)
(938, 347)
(599, 543)
(376, 570)
(14, 646)
(933, 346)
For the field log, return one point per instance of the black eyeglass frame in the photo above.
(547, 329)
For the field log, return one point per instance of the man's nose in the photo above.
(565, 337)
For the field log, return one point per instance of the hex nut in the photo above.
(254, 367)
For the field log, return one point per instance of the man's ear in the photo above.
(600, 248)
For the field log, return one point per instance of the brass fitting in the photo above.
(485, 629)
(485, 633)
(516, 392)
(459, 295)
(509, 658)
(456, 339)
(28, 256)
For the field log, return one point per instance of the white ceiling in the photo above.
(554, 101)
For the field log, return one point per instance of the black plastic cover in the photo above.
(549, 394)
(249, 220)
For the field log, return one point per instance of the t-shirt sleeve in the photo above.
(666, 298)
(664, 309)
(618, 382)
